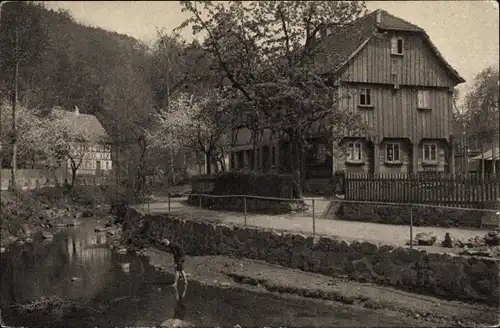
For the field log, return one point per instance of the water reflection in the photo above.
(123, 290)
(180, 309)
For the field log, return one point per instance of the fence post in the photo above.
(245, 209)
(314, 217)
(411, 228)
(199, 200)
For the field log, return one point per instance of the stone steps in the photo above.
(331, 210)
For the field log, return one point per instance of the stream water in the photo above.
(98, 290)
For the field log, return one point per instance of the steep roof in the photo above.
(85, 124)
(346, 41)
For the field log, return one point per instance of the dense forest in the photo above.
(113, 76)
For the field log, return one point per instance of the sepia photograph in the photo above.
(243, 164)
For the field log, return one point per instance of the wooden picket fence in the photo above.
(467, 191)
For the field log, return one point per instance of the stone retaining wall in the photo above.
(422, 216)
(449, 276)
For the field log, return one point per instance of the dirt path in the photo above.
(266, 278)
(302, 222)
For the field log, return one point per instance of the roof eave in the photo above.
(351, 56)
(458, 79)
(383, 28)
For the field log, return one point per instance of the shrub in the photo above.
(17, 208)
(250, 183)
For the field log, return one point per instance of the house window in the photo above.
(354, 151)
(392, 153)
(397, 46)
(107, 165)
(365, 98)
(424, 99)
(430, 152)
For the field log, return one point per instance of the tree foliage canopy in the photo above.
(481, 105)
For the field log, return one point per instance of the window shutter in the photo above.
(394, 45)
(420, 99)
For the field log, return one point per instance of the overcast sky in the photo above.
(466, 32)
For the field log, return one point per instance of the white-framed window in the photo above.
(107, 165)
(424, 99)
(365, 97)
(430, 152)
(354, 151)
(392, 152)
(397, 46)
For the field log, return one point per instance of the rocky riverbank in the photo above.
(26, 215)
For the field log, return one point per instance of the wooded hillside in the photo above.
(110, 75)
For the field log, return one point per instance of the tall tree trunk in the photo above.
(254, 147)
(466, 153)
(296, 154)
(482, 161)
(73, 174)
(13, 173)
(172, 164)
(208, 161)
(222, 161)
(142, 167)
(493, 156)
(498, 161)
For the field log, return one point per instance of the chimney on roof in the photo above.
(77, 111)
(379, 12)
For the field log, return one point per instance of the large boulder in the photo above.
(450, 242)
(475, 242)
(425, 239)
(47, 235)
(492, 238)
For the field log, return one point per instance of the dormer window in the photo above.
(397, 46)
